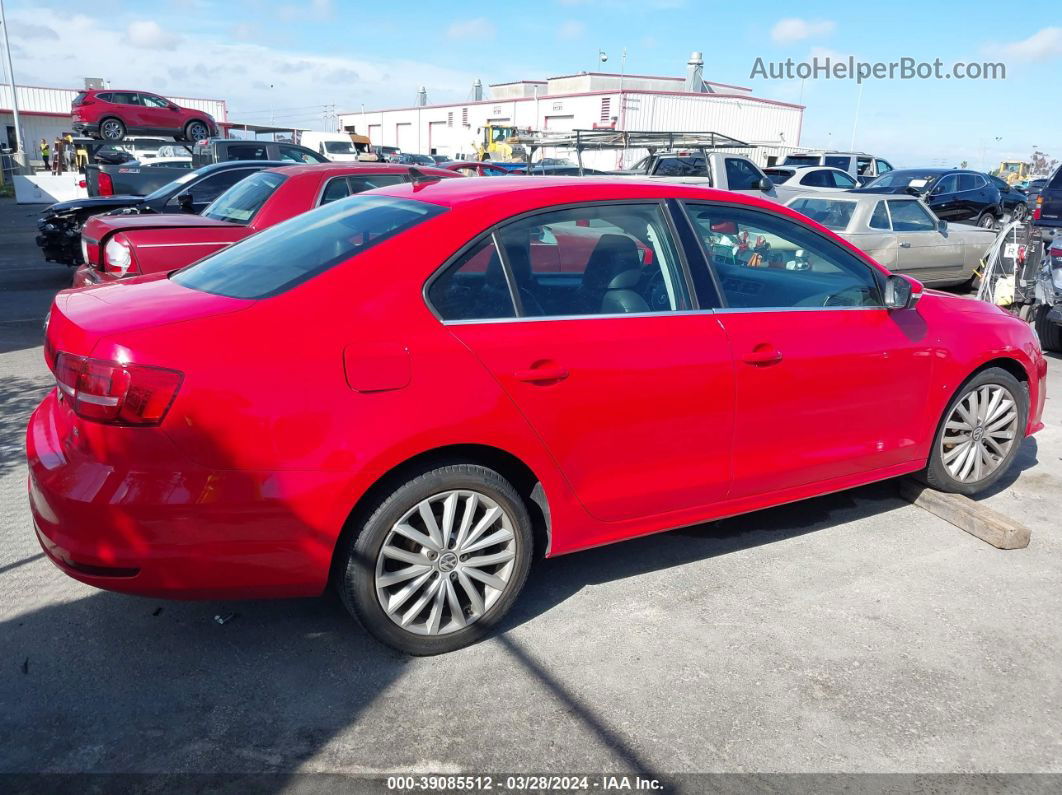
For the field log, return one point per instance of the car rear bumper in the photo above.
(86, 128)
(173, 529)
(86, 276)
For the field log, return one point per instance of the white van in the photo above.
(339, 147)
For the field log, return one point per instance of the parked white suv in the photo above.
(860, 165)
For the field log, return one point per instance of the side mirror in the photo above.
(942, 225)
(765, 185)
(902, 292)
(184, 201)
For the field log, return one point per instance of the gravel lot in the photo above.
(850, 633)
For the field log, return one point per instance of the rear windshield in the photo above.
(240, 203)
(903, 179)
(831, 213)
(801, 160)
(778, 175)
(340, 147)
(292, 252)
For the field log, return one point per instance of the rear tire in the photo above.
(1049, 332)
(195, 131)
(112, 129)
(425, 588)
(986, 220)
(994, 408)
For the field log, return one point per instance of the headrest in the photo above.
(627, 280)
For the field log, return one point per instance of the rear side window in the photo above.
(240, 203)
(359, 183)
(831, 213)
(79, 98)
(247, 152)
(838, 162)
(474, 287)
(296, 250)
(880, 218)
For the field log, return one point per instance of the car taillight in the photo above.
(116, 393)
(118, 256)
(1039, 207)
(105, 184)
(82, 184)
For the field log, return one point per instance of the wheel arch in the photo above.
(527, 484)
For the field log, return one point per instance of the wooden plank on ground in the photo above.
(976, 519)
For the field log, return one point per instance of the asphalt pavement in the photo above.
(853, 633)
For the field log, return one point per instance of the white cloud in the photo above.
(478, 28)
(1040, 46)
(240, 72)
(571, 29)
(793, 29)
(28, 30)
(149, 35)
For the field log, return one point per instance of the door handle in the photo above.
(541, 373)
(763, 354)
(905, 244)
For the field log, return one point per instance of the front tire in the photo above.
(980, 433)
(1049, 332)
(112, 129)
(439, 561)
(987, 220)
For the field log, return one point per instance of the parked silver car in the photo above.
(901, 233)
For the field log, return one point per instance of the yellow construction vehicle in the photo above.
(1013, 171)
(501, 144)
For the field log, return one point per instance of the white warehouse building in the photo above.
(590, 100)
(45, 113)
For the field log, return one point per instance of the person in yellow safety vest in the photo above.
(46, 154)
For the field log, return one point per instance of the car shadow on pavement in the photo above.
(554, 580)
(19, 395)
(1025, 459)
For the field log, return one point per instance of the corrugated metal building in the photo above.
(586, 101)
(45, 113)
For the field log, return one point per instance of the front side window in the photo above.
(947, 184)
(583, 261)
(910, 216)
(288, 254)
(764, 261)
(742, 175)
(882, 166)
(831, 213)
(337, 188)
(240, 203)
(863, 165)
(212, 186)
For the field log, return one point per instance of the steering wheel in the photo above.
(655, 292)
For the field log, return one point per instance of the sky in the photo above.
(295, 61)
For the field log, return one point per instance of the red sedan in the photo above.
(410, 392)
(119, 246)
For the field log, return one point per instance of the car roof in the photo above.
(226, 164)
(535, 191)
(336, 169)
(854, 196)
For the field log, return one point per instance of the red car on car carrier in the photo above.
(411, 392)
(112, 114)
(120, 246)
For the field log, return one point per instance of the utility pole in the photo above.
(11, 79)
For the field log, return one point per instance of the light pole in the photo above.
(11, 80)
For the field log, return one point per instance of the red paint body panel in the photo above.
(658, 422)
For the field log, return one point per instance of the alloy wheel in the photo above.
(446, 562)
(197, 131)
(987, 221)
(112, 130)
(979, 433)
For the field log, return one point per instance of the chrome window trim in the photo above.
(683, 313)
(181, 245)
